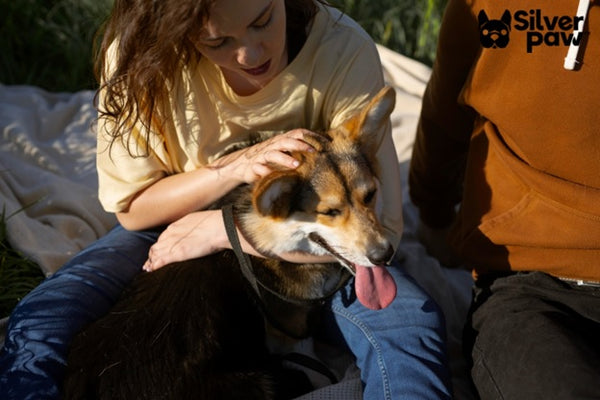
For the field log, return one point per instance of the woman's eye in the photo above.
(216, 45)
(264, 23)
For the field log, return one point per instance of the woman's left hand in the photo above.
(195, 235)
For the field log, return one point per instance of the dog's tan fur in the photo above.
(195, 329)
(343, 175)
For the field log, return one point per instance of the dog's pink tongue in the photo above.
(375, 286)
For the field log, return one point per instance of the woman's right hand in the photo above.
(251, 163)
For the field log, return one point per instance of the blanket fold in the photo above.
(48, 174)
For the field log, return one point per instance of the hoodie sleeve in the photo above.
(445, 124)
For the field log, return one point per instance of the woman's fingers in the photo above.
(251, 163)
(194, 235)
(277, 149)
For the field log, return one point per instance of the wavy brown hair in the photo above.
(153, 39)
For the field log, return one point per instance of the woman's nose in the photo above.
(249, 55)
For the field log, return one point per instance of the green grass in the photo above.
(409, 27)
(48, 43)
(18, 275)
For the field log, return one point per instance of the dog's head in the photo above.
(328, 204)
(494, 32)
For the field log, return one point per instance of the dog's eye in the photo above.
(369, 197)
(330, 212)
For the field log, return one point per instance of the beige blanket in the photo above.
(48, 191)
(48, 174)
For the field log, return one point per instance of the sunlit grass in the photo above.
(48, 43)
(18, 275)
(409, 27)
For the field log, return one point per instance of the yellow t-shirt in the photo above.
(335, 73)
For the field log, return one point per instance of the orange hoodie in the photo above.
(513, 135)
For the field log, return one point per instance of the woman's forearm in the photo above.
(201, 233)
(174, 196)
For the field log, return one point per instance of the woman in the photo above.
(182, 80)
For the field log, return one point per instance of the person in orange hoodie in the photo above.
(506, 176)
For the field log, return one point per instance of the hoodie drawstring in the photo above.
(571, 58)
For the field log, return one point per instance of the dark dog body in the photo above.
(196, 329)
(191, 330)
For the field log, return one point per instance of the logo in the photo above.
(540, 29)
(494, 33)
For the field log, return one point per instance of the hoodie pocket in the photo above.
(540, 222)
(530, 208)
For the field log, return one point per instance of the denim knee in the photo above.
(41, 326)
(401, 349)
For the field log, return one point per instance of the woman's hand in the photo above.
(251, 163)
(195, 235)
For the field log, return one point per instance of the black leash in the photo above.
(248, 272)
(243, 258)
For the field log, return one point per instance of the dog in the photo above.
(197, 329)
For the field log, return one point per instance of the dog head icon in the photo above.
(494, 33)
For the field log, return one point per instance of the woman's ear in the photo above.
(273, 195)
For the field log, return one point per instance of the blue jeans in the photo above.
(400, 349)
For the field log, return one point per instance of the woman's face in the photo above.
(247, 40)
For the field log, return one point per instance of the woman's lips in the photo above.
(258, 70)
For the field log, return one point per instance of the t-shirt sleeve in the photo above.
(122, 175)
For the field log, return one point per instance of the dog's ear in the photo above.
(377, 112)
(274, 194)
(365, 127)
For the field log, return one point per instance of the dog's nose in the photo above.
(380, 255)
